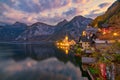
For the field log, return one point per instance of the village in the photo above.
(99, 54)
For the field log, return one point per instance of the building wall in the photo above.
(85, 45)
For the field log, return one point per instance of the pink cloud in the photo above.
(30, 11)
(81, 1)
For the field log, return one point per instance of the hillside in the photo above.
(37, 31)
(72, 28)
(43, 32)
(111, 16)
(10, 32)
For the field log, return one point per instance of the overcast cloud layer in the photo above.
(50, 11)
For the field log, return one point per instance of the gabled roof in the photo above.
(88, 60)
(85, 39)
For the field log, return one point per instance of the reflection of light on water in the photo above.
(66, 51)
(65, 48)
(65, 44)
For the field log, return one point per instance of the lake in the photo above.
(37, 61)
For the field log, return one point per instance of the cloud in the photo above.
(93, 14)
(35, 5)
(96, 11)
(37, 2)
(53, 21)
(70, 12)
(48, 11)
(103, 5)
(28, 10)
(81, 1)
(50, 68)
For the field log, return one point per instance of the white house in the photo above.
(85, 42)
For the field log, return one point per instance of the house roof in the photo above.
(88, 60)
(91, 29)
(85, 39)
(105, 25)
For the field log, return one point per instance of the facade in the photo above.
(88, 60)
(88, 37)
(85, 42)
(85, 45)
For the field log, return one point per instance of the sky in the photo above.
(50, 11)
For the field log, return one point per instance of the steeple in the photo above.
(84, 33)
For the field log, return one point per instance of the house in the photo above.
(72, 42)
(88, 60)
(85, 42)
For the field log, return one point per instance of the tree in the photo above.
(117, 58)
(116, 46)
(77, 49)
(96, 55)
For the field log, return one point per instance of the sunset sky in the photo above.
(50, 11)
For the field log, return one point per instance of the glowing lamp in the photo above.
(115, 34)
(66, 38)
(104, 33)
(84, 33)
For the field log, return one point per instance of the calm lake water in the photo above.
(38, 61)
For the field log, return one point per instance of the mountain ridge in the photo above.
(41, 31)
(111, 16)
(10, 32)
(71, 28)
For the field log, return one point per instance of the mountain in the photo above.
(73, 28)
(62, 23)
(40, 31)
(19, 25)
(10, 32)
(37, 31)
(43, 32)
(4, 24)
(110, 17)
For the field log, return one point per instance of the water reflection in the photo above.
(49, 69)
(42, 61)
(64, 48)
(39, 52)
(65, 44)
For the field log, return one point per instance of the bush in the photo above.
(94, 70)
